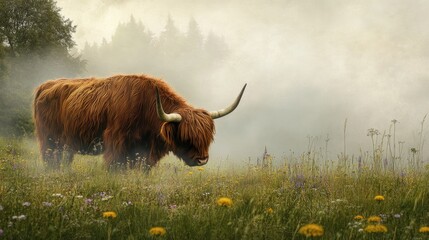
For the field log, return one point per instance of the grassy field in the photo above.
(86, 202)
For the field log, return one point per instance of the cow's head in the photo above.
(190, 131)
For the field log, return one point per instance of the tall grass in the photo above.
(267, 203)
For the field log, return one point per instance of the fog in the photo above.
(309, 66)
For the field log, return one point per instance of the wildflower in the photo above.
(1, 232)
(1, 208)
(358, 218)
(88, 201)
(378, 228)
(58, 195)
(224, 201)
(424, 229)
(200, 169)
(299, 181)
(374, 219)
(190, 173)
(126, 204)
(20, 217)
(270, 211)
(47, 204)
(26, 204)
(379, 198)
(107, 197)
(79, 196)
(157, 231)
(109, 214)
(311, 230)
(397, 215)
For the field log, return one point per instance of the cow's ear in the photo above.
(168, 132)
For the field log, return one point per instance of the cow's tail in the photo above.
(37, 93)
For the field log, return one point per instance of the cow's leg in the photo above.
(68, 155)
(50, 153)
(156, 153)
(114, 152)
(138, 155)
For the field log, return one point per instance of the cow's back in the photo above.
(47, 104)
(84, 113)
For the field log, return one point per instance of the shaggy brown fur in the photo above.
(117, 116)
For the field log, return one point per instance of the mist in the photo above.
(309, 66)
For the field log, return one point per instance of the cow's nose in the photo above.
(202, 161)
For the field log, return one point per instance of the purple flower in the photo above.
(88, 201)
(299, 181)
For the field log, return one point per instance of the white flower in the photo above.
(59, 195)
(26, 204)
(19, 218)
(47, 204)
(1, 208)
(79, 196)
(106, 198)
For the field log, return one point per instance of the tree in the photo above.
(35, 44)
(194, 38)
(34, 26)
(171, 40)
(216, 48)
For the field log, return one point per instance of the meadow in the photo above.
(176, 202)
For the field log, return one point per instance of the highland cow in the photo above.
(132, 119)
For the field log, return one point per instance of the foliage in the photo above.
(35, 45)
(88, 202)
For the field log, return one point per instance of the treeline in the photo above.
(179, 56)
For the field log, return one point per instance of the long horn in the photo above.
(166, 117)
(229, 109)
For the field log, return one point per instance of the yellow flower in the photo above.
(190, 173)
(374, 219)
(424, 229)
(157, 231)
(358, 218)
(379, 198)
(378, 228)
(109, 214)
(311, 230)
(224, 201)
(270, 211)
(200, 169)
